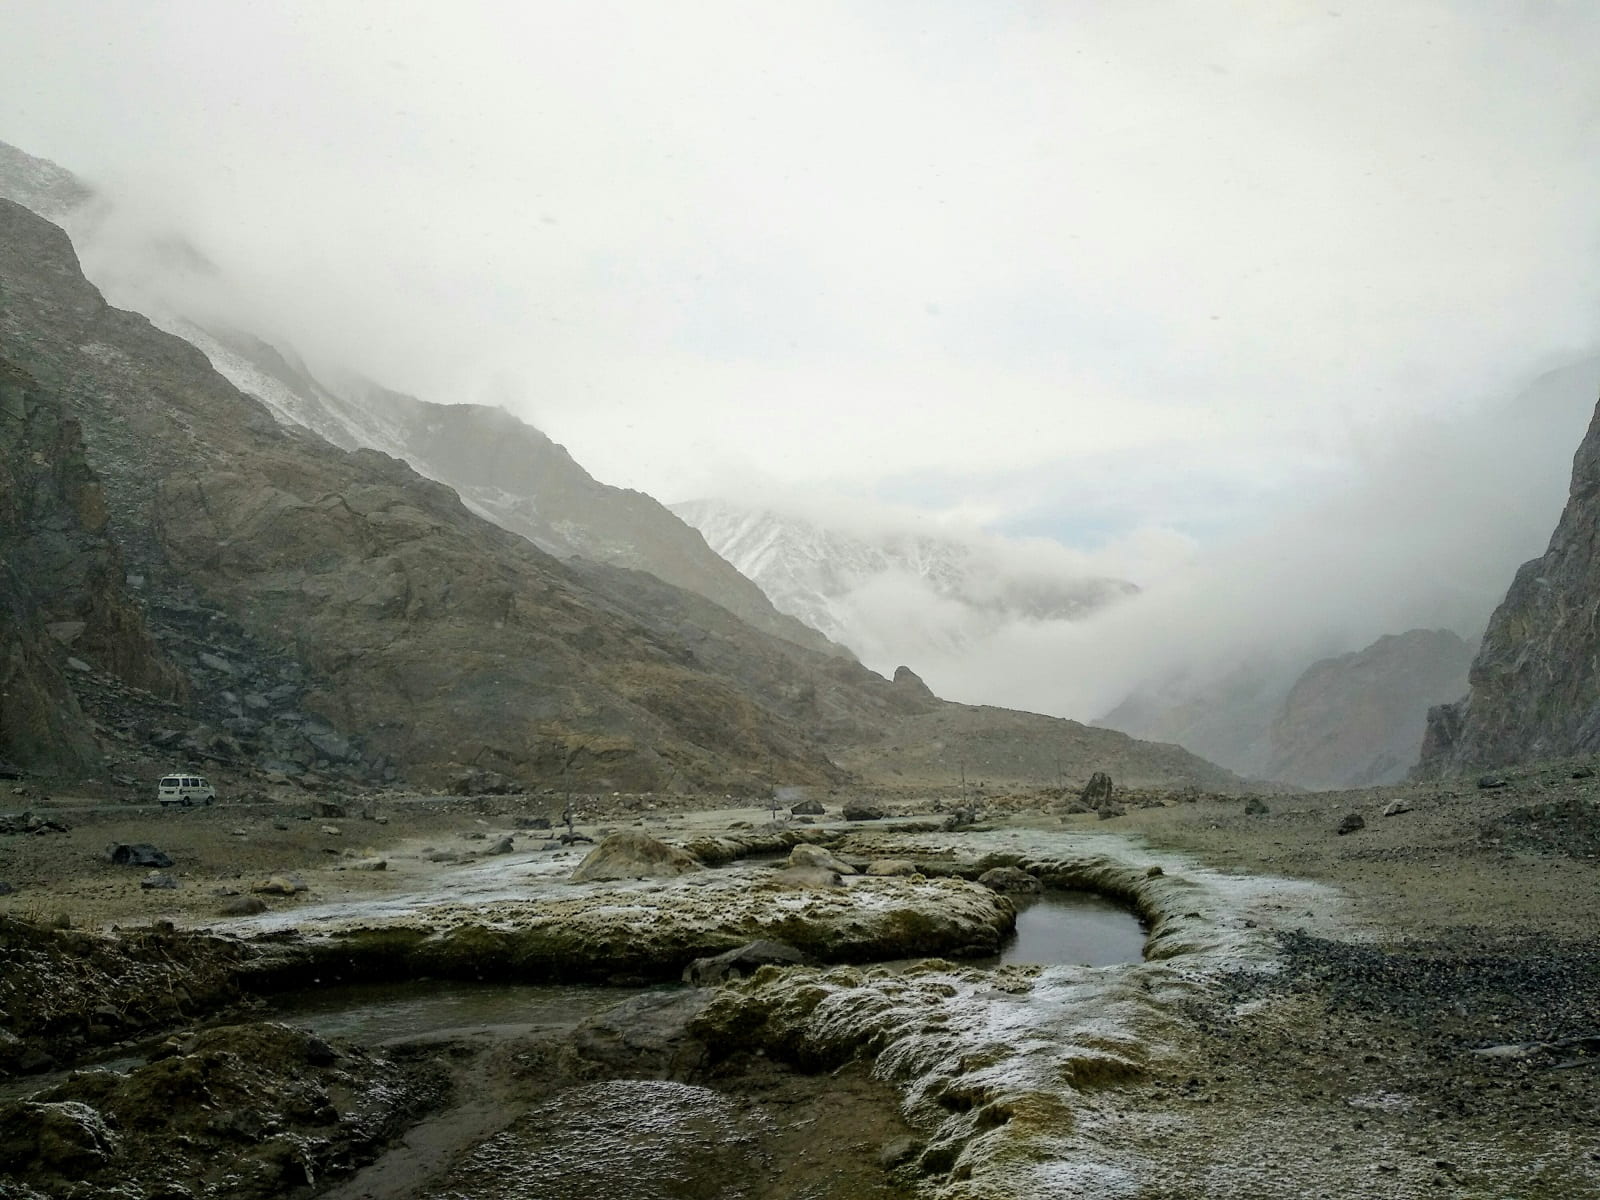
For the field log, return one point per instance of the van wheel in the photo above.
(188, 803)
(209, 799)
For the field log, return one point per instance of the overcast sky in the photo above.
(1067, 268)
(1231, 294)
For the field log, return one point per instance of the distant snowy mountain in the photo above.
(899, 595)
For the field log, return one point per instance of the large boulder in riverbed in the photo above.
(634, 855)
(806, 855)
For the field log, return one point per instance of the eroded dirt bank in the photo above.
(1405, 1010)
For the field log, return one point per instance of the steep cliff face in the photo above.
(64, 607)
(1535, 684)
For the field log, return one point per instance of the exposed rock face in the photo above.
(1535, 684)
(1356, 720)
(61, 584)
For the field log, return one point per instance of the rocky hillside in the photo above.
(1357, 720)
(336, 612)
(1535, 684)
(501, 467)
(893, 595)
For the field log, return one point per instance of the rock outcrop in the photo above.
(1535, 684)
(63, 601)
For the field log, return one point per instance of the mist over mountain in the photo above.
(503, 468)
(895, 593)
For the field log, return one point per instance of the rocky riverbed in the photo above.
(1404, 1010)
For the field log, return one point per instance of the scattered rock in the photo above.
(808, 808)
(1491, 782)
(1255, 806)
(157, 880)
(331, 830)
(1396, 806)
(501, 845)
(330, 810)
(1351, 823)
(242, 906)
(735, 964)
(6, 889)
(857, 810)
(371, 864)
(30, 823)
(633, 855)
(1106, 811)
(138, 854)
(1011, 880)
(533, 822)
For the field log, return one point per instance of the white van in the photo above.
(185, 790)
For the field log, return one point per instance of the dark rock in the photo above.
(735, 964)
(1010, 880)
(1396, 806)
(138, 854)
(808, 808)
(1255, 806)
(857, 810)
(242, 906)
(1098, 791)
(1491, 783)
(1351, 823)
(6, 889)
(1107, 811)
(158, 882)
(501, 845)
(330, 809)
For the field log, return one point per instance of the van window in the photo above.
(171, 781)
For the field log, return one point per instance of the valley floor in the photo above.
(1428, 1022)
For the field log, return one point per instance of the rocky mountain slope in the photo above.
(1349, 720)
(335, 611)
(501, 467)
(1535, 683)
(63, 601)
(893, 595)
(1356, 720)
